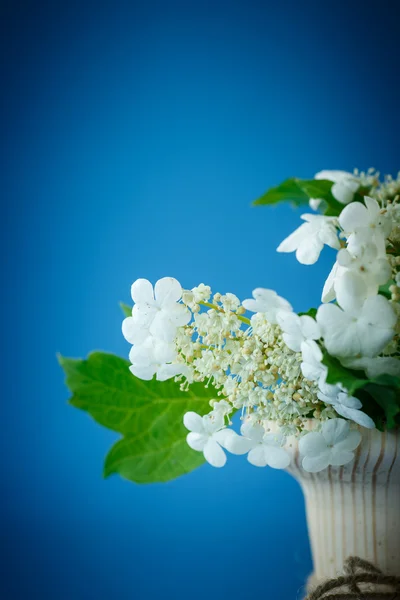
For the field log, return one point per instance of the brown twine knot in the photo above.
(358, 572)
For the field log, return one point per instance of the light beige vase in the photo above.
(354, 509)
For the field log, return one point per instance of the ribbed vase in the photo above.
(354, 510)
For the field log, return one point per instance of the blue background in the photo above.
(134, 137)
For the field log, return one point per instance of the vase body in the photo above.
(354, 510)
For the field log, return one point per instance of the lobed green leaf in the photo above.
(149, 414)
(299, 191)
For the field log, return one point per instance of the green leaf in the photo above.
(380, 395)
(384, 289)
(299, 191)
(149, 414)
(337, 373)
(389, 400)
(126, 309)
(310, 313)
(289, 190)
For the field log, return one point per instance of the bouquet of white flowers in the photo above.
(196, 357)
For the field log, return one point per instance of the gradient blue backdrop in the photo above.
(134, 137)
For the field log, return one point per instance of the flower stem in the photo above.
(219, 309)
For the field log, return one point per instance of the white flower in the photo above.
(201, 293)
(369, 264)
(155, 313)
(221, 407)
(373, 367)
(154, 357)
(344, 187)
(267, 302)
(361, 326)
(328, 292)
(312, 367)
(315, 202)
(345, 405)
(309, 239)
(264, 448)
(365, 224)
(334, 445)
(297, 329)
(366, 261)
(208, 435)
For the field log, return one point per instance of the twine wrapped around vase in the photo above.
(361, 581)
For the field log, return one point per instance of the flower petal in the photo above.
(276, 440)
(373, 336)
(355, 415)
(163, 352)
(333, 175)
(310, 328)
(214, 454)
(328, 292)
(252, 305)
(350, 442)
(309, 250)
(312, 444)
(292, 341)
(253, 431)
(353, 216)
(197, 441)
(162, 328)
(142, 291)
(329, 236)
(167, 371)
(339, 458)
(335, 431)
(339, 330)
(143, 372)
(133, 332)
(351, 291)
(314, 464)
(292, 242)
(311, 367)
(257, 456)
(178, 314)
(193, 422)
(344, 190)
(373, 207)
(374, 367)
(144, 313)
(277, 458)
(167, 290)
(231, 441)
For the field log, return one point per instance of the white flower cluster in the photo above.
(270, 367)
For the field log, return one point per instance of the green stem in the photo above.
(219, 309)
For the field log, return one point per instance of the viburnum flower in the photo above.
(311, 366)
(154, 357)
(328, 292)
(374, 268)
(263, 448)
(208, 435)
(373, 367)
(297, 329)
(365, 223)
(345, 405)
(309, 239)
(156, 313)
(344, 187)
(267, 302)
(361, 327)
(333, 445)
